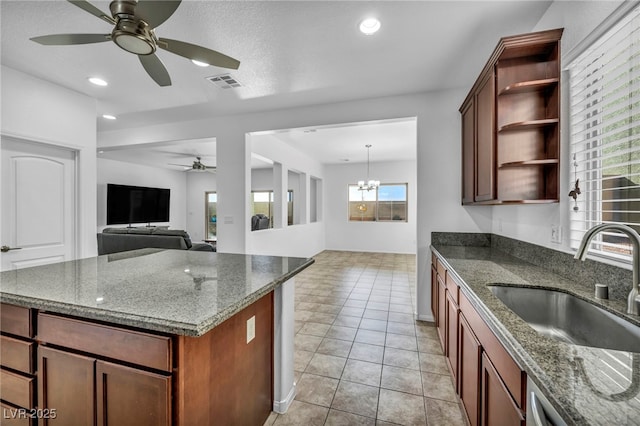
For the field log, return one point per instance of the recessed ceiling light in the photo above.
(109, 116)
(369, 26)
(199, 63)
(97, 81)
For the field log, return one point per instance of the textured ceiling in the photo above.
(292, 53)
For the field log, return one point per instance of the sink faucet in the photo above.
(634, 296)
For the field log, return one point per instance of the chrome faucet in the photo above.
(634, 296)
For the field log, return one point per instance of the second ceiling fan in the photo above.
(134, 23)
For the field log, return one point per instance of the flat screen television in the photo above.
(136, 204)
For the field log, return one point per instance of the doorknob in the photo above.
(5, 249)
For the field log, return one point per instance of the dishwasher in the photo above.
(540, 412)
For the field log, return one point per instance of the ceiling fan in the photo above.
(134, 23)
(196, 166)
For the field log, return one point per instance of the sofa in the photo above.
(115, 240)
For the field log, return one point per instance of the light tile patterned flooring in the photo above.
(360, 357)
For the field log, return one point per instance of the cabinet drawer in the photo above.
(16, 320)
(136, 347)
(513, 377)
(441, 269)
(16, 388)
(16, 354)
(453, 288)
(434, 259)
(12, 416)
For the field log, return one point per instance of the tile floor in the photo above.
(360, 358)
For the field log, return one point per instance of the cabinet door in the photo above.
(498, 408)
(470, 353)
(434, 294)
(128, 396)
(66, 385)
(442, 303)
(468, 152)
(452, 335)
(485, 140)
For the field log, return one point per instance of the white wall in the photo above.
(389, 237)
(197, 185)
(36, 110)
(302, 238)
(533, 223)
(122, 173)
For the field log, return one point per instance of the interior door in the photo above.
(38, 204)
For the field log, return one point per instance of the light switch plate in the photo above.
(251, 328)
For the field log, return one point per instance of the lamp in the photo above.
(369, 184)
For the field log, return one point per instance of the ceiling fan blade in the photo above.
(88, 7)
(180, 165)
(155, 12)
(156, 70)
(66, 39)
(198, 53)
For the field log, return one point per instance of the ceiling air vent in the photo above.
(224, 81)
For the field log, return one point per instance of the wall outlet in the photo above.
(556, 234)
(251, 328)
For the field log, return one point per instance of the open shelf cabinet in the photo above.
(525, 147)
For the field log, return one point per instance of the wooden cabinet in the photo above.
(498, 408)
(485, 140)
(66, 384)
(513, 135)
(17, 364)
(87, 390)
(452, 335)
(468, 151)
(469, 372)
(442, 312)
(131, 397)
(83, 372)
(489, 383)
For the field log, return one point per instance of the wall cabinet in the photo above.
(510, 123)
(489, 383)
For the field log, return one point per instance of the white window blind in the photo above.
(605, 135)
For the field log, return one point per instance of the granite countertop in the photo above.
(586, 385)
(172, 291)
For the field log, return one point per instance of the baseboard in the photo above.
(281, 407)
(425, 318)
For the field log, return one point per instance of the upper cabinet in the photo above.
(511, 123)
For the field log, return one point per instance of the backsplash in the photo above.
(587, 273)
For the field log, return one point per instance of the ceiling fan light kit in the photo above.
(197, 166)
(134, 31)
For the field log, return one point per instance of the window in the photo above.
(262, 203)
(211, 216)
(605, 135)
(386, 204)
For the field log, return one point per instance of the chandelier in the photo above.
(369, 184)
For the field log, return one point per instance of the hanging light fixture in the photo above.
(369, 184)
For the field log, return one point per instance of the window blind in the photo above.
(605, 136)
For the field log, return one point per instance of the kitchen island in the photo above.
(148, 337)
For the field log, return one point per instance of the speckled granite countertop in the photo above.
(609, 395)
(173, 291)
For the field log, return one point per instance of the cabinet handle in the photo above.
(5, 249)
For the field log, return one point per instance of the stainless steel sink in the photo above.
(567, 318)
